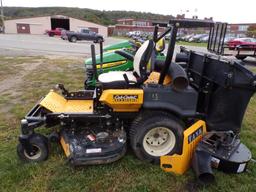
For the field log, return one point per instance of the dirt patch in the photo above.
(72, 57)
(17, 79)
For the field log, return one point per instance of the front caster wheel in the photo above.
(39, 152)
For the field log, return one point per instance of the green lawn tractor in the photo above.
(126, 44)
(118, 57)
(174, 116)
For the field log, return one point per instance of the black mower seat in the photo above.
(124, 79)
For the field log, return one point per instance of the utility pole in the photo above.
(2, 16)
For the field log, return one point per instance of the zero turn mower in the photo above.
(163, 114)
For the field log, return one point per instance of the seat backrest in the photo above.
(160, 45)
(142, 58)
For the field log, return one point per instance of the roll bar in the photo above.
(172, 27)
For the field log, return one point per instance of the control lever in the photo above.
(94, 64)
(61, 87)
(101, 56)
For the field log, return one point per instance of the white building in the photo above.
(38, 25)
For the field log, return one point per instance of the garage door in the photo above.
(23, 28)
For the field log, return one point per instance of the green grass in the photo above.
(184, 43)
(128, 174)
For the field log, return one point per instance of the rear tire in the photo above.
(40, 149)
(154, 134)
(73, 39)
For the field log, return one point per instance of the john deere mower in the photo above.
(126, 44)
(164, 115)
(118, 57)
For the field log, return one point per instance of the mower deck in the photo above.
(85, 148)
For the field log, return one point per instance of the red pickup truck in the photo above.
(54, 32)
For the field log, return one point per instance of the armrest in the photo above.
(125, 54)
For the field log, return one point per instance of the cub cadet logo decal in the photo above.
(195, 134)
(125, 98)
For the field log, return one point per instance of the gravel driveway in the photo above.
(43, 45)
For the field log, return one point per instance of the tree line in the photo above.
(96, 16)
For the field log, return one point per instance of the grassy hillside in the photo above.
(100, 17)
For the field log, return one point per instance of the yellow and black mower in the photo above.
(164, 113)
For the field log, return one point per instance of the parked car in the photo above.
(83, 34)
(196, 38)
(133, 33)
(129, 34)
(54, 32)
(228, 38)
(241, 41)
(187, 37)
(204, 39)
(180, 36)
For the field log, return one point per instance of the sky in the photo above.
(221, 10)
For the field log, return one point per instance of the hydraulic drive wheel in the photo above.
(155, 134)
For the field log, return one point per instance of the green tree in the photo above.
(100, 17)
(251, 31)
